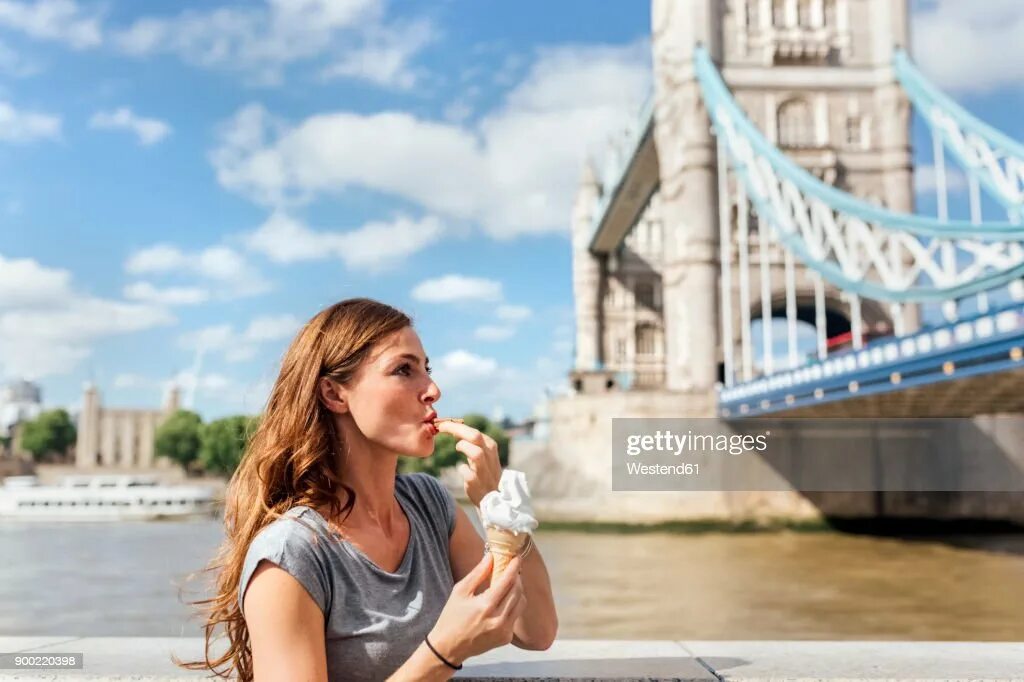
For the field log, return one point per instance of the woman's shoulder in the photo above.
(294, 542)
(298, 528)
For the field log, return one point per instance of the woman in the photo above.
(335, 567)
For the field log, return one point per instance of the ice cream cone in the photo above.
(504, 545)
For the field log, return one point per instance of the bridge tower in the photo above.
(816, 77)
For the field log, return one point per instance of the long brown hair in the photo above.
(291, 460)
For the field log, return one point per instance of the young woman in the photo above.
(336, 568)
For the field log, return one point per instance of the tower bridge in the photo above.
(752, 249)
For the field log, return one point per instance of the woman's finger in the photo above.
(512, 600)
(502, 587)
(519, 608)
(458, 430)
(474, 453)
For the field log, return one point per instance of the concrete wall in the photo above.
(570, 473)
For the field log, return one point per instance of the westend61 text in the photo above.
(666, 441)
(687, 469)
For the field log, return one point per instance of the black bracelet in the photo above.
(443, 659)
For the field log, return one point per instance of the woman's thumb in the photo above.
(480, 573)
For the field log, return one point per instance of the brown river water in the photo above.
(120, 579)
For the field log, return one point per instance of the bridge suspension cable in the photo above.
(862, 249)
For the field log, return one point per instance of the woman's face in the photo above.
(392, 395)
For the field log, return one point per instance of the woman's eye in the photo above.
(406, 369)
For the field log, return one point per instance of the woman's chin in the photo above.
(422, 450)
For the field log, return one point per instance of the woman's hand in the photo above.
(483, 473)
(472, 623)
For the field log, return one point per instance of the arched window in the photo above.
(830, 12)
(646, 339)
(754, 14)
(805, 14)
(795, 125)
(779, 14)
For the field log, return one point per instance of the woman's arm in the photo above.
(422, 665)
(286, 632)
(537, 627)
(286, 628)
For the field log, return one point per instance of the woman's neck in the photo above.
(371, 475)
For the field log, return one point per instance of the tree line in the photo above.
(217, 447)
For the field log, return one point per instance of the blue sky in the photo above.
(141, 224)
(189, 181)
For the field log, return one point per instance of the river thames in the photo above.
(121, 579)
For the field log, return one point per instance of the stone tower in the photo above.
(88, 438)
(815, 77)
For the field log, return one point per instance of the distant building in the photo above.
(19, 401)
(119, 438)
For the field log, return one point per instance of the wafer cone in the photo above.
(504, 545)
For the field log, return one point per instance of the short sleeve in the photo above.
(293, 547)
(439, 497)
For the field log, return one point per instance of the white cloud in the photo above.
(271, 328)
(145, 291)
(262, 40)
(375, 246)
(210, 382)
(158, 258)
(130, 380)
(14, 64)
(47, 326)
(215, 337)
(241, 346)
(225, 268)
(460, 367)
(148, 130)
(240, 353)
(386, 56)
(510, 315)
(61, 21)
(454, 288)
(970, 46)
(926, 179)
(26, 283)
(471, 382)
(513, 313)
(25, 126)
(227, 394)
(493, 332)
(458, 111)
(515, 172)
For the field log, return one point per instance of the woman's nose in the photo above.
(433, 393)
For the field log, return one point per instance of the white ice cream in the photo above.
(509, 506)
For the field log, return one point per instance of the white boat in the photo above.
(101, 498)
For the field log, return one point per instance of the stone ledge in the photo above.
(147, 659)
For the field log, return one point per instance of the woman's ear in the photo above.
(332, 395)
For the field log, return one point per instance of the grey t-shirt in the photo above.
(374, 619)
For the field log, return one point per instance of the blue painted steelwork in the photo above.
(611, 186)
(990, 342)
(929, 99)
(730, 121)
(716, 95)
